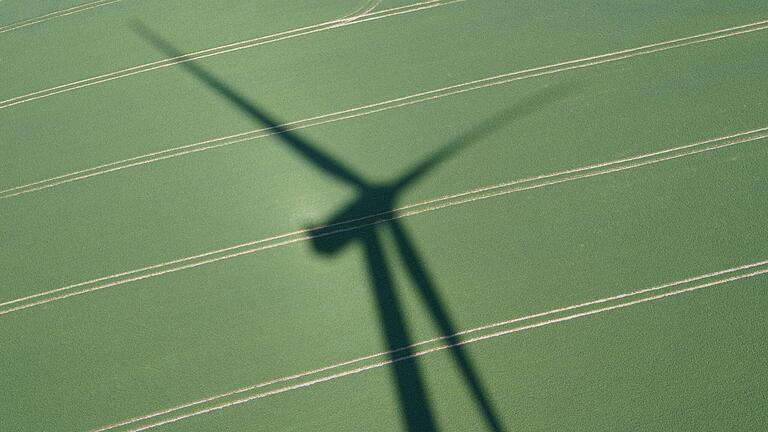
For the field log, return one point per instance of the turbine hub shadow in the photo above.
(373, 205)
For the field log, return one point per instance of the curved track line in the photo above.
(223, 49)
(57, 14)
(366, 8)
(753, 273)
(369, 109)
(484, 193)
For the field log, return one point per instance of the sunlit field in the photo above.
(383, 215)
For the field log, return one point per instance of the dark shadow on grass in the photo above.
(380, 200)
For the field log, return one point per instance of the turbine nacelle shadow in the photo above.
(374, 204)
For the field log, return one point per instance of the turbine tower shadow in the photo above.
(376, 204)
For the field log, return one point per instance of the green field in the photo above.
(396, 215)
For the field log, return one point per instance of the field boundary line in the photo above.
(56, 14)
(659, 292)
(365, 110)
(223, 49)
(247, 248)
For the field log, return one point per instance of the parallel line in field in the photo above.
(442, 343)
(377, 107)
(56, 14)
(474, 195)
(223, 49)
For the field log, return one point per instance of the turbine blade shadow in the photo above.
(525, 107)
(294, 141)
(430, 296)
(415, 403)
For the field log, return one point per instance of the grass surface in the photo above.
(693, 361)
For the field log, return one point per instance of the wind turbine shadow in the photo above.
(376, 205)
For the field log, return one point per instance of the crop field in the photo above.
(383, 215)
